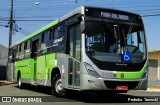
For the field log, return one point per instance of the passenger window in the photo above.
(78, 43)
(25, 45)
(46, 42)
(28, 44)
(59, 37)
(27, 49)
(71, 33)
(17, 52)
(21, 51)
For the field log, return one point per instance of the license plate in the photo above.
(121, 87)
(107, 74)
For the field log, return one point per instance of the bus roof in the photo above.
(39, 31)
(73, 12)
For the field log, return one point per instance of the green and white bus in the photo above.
(90, 48)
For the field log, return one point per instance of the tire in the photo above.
(20, 84)
(57, 89)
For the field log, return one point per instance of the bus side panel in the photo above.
(26, 67)
(40, 67)
(45, 64)
(31, 69)
(51, 63)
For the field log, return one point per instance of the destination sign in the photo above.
(112, 14)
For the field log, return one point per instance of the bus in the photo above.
(88, 49)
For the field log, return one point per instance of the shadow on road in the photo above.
(84, 96)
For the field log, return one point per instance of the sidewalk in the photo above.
(153, 88)
(5, 82)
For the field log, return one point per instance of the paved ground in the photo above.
(76, 99)
(151, 87)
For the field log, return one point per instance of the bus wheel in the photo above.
(20, 81)
(57, 88)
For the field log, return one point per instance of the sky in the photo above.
(31, 15)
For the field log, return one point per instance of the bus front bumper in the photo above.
(92, 83)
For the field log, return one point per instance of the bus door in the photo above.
(74, 40)
(34, 56)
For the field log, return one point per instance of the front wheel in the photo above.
(57, 88)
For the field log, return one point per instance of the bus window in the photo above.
(59, 35)
(28, 44)
(71, 33)
(20, 48)
(27, 49)
(35, 45)
(45, 42)
(14, 54)
(78, 43)
(17, 52)
(51, 33)
(21, 51)
(25, 45)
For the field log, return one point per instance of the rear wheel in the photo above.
(20, 85)
(57, 88)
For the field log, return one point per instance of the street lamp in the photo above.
(11, 23)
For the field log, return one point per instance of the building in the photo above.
(154, 66)
(3, 61)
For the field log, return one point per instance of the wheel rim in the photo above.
(58, 87)
(19, 82)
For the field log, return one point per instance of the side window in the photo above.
(78, 43)
(71, 33)
(45, 42)
(59, 37)
(51, 33)
(28, 44)
(74, 42)
(21, 51)
(141, 40)
(35, 47)
(20, 47)
(17, 52)
(14, 54)
(27, 47)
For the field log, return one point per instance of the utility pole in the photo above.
(10, 33)
(10, 25)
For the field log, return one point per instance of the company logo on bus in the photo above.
(122, 75)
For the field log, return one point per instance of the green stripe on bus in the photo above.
(131, 75)
(39, 31)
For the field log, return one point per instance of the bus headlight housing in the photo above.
(91, 70)
(145, 75)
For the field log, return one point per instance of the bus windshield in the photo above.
(106, 41)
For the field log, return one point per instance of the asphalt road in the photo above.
(43, 94)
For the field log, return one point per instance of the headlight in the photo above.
(91, 70)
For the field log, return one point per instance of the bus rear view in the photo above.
(115, 51)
